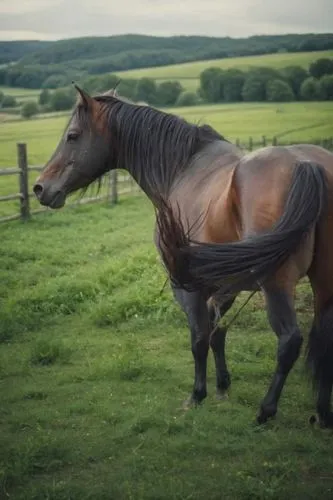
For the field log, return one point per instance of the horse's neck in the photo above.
(199, 170)
(206, 186)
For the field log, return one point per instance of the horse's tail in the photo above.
(233, 267)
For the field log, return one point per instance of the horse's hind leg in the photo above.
(320, 358)
(217, 344)
(282, 317)
(195, 307)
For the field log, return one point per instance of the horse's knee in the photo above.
(289, 349)
(217, 338)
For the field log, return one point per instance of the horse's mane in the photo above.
(153, 145)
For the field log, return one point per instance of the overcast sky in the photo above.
(55, 19)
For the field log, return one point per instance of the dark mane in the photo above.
(153, 145)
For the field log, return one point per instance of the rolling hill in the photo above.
(34, 64)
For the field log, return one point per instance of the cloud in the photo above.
(53, 19)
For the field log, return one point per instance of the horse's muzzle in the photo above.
(49, 196)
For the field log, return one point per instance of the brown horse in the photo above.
(226, 222)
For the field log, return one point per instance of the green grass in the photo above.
(21, 95)
(299, 122)
(95, 363)
(188, 73)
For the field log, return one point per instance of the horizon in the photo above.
(118, 35)
(53, 20)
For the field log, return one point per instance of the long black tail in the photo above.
(233, 267)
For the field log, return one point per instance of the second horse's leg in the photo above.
(282, 317)
(217, 344)
(195, 307)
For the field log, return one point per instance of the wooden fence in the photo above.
(112, 186)
(114, 183)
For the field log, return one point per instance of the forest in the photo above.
(39, 64)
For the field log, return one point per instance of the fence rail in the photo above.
(112, 183)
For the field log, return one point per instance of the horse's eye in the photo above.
(72, 136)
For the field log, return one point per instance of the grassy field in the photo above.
(21, 95)
(95, 363)
(188, 73)
(289, 122)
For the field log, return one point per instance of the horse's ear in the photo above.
(85, 98)
(111, 92)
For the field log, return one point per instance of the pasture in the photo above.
(95, 363)
(21, 95)
(188, 73)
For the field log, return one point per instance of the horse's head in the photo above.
(82, 155)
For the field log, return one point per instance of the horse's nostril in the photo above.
(38, 190)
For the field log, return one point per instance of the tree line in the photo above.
(216, 85)
(52, 65)
(292, 83)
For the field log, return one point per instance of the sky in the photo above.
(56, 19)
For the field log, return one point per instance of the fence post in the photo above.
(274, 141)
(237, 142)
(250, 144)
(263, 141)
(23, 180)
(113, 187)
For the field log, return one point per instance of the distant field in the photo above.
(188, 73)
(19, 92)
(21, 95)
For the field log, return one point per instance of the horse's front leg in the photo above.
(195, 307)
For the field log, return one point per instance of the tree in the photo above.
(97, 84)
(44, 97)
(62, 100)
(326, 85)
(279, 91)
(127, 88)
(211, 85)
(8, 101)
(321, 67)
(146, 90)
(55, 81)
(311, 90)
(253, 89)
(29, 109)
(168, 93)
(295, 76)
(233, 81)
(2, 95)
(187, 98)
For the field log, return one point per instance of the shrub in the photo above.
(29, 109)
(168, 93)
(8, 101)
(279, 91)
(44, 97)
(187, 98)
(62, 100)
(326, 85)
(311, 90)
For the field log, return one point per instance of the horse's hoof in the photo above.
(326, 422)
(265, 414)
(261, 419)
(312, 419)
(189, 403)
(222, 395)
